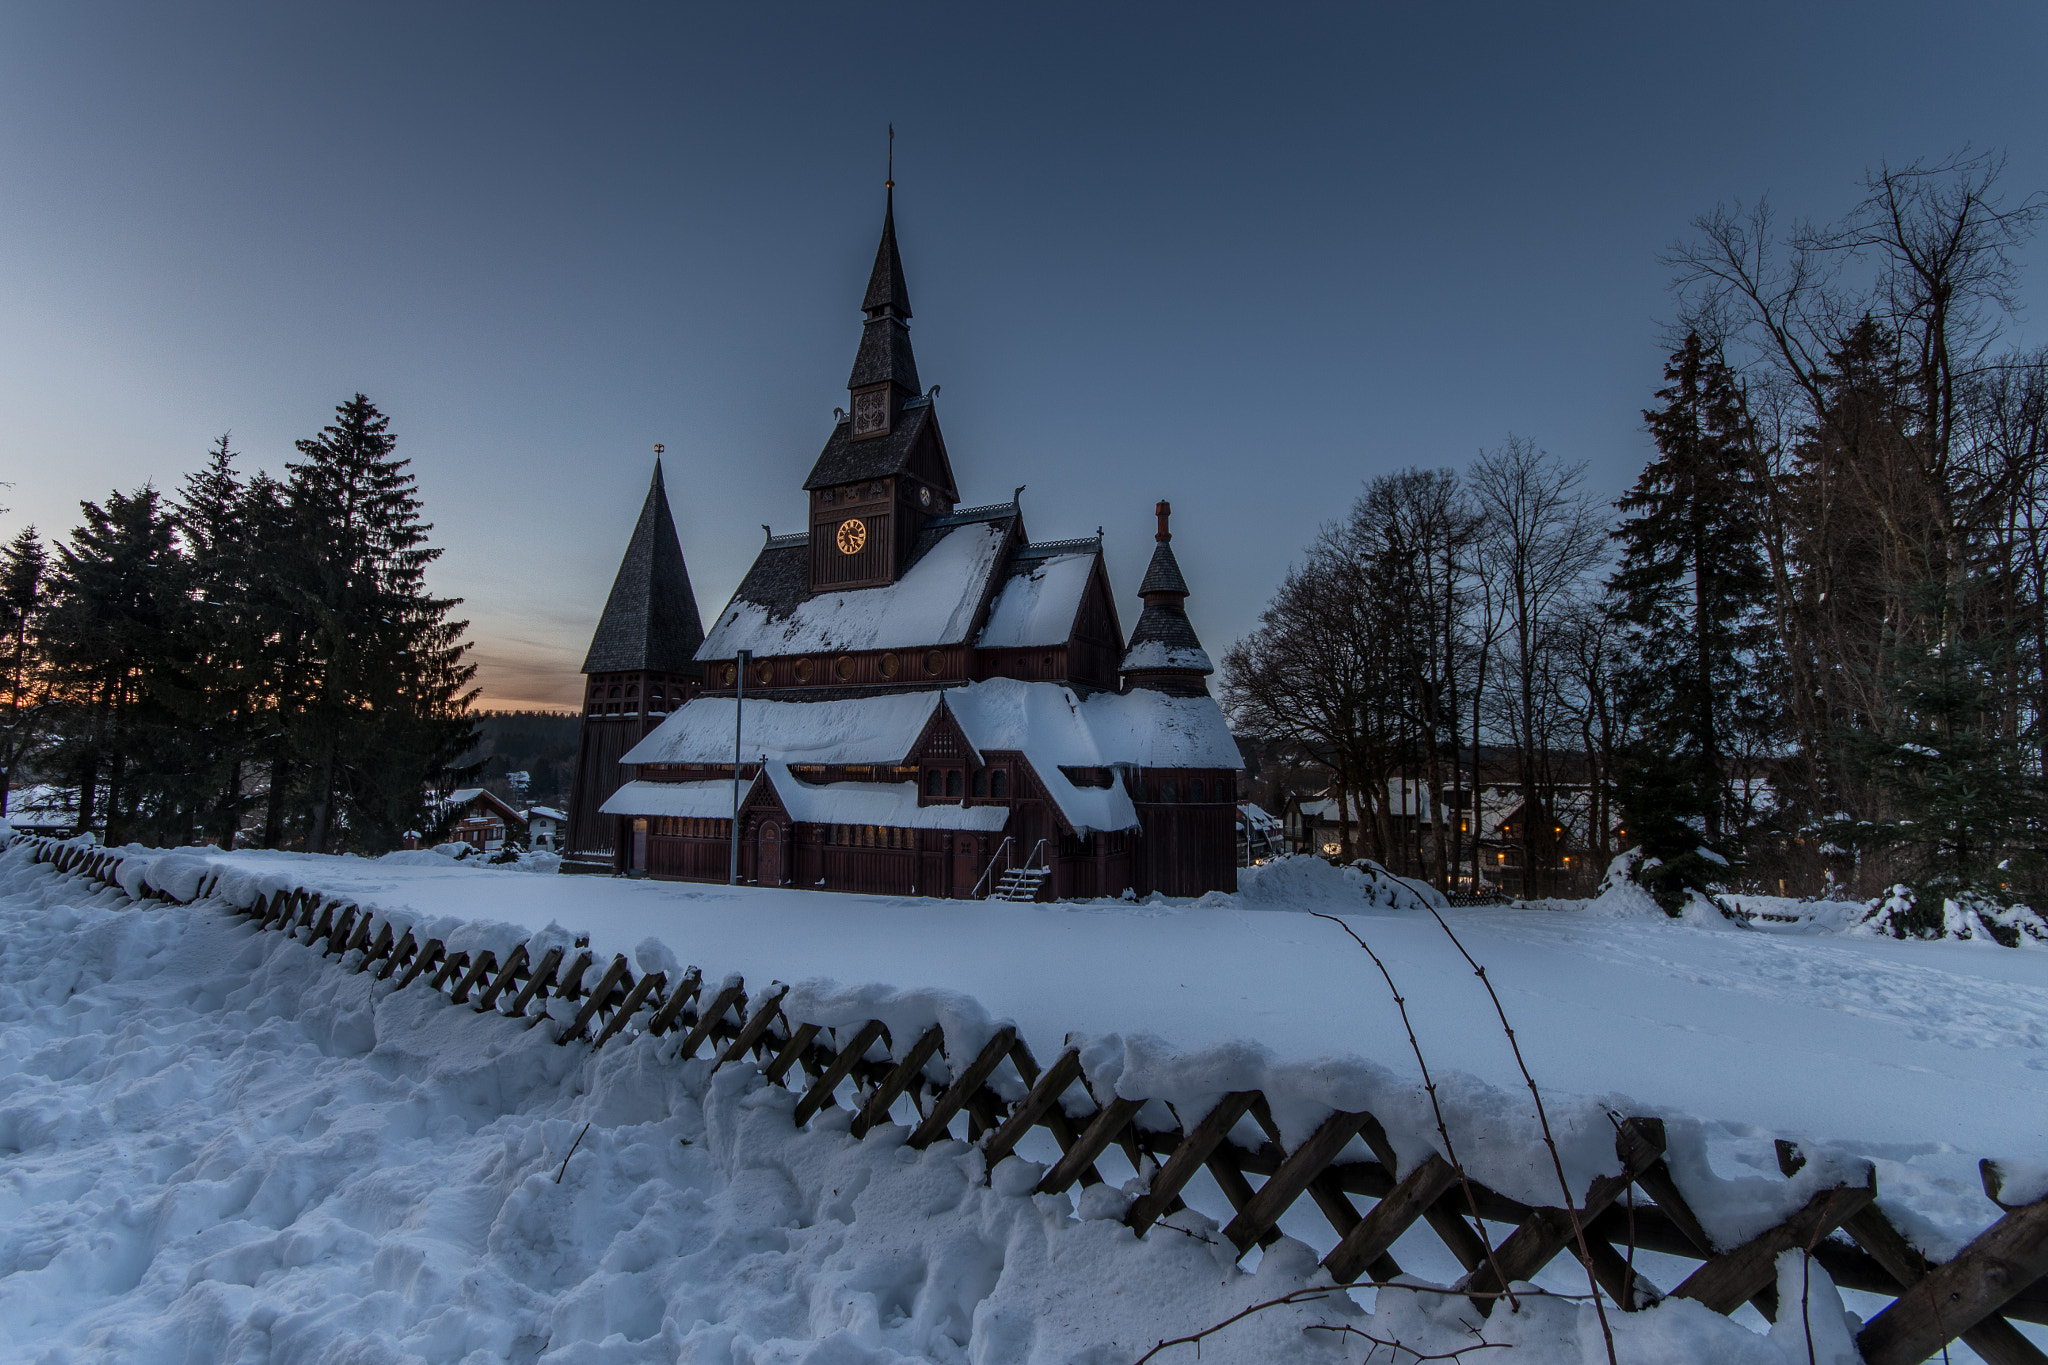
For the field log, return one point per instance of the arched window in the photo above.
(952, 782)
(932, 781)
(981, 782)
(999, 784)
(1195, 790)
(1168, 791)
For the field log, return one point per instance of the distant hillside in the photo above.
(540, 744)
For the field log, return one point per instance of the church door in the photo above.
(639, 845)
(768, 864)
(966, 865)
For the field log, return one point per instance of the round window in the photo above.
(729, 674)
(890, 665)
(803, 670)
(934, 662)
(842, 668)
(763, 674)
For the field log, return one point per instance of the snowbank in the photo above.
(224, 1147)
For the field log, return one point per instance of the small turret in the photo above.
(1165, 655)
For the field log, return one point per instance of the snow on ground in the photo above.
(216, 1146)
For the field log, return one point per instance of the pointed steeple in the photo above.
(650, 621)
(884, 356)
(1165, 655)
(886, 288)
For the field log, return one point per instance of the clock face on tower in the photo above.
(853, 534)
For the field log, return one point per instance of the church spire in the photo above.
(1165, 654)
(884, 370)
(650, 621)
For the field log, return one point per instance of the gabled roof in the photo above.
(845, 460)
(1049, 723)
(650, 620)
(936, 602)
(1038, 602)
(894, 804)
(859, 730)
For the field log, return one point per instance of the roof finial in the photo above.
(1165, 510)
(890, 183)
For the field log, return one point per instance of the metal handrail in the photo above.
(1031, 863)
(990, 870)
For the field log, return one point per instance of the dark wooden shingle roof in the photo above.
(650, 621)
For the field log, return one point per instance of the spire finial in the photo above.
(1165, 510)
(890, 183)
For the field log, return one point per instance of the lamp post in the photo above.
(739, 694)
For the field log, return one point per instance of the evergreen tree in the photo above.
(109, 644)
(23, 568)
(220, 698)
(1958, 796)
(1691, 590)
(386, 686)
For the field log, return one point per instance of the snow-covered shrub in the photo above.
(1903, 911)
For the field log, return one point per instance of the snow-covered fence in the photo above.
(984, 1085)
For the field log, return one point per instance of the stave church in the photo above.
(918, 698)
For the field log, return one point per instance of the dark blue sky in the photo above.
(1244, 258)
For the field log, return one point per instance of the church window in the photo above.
(934, 662)
(842, 668)
(1195, 790)
(932, 779)
(803, 670)
(890, 665)
(763, 674)
(999, 784)
(1168, 791)
(981, 782)
(728, 674)
(952, 782)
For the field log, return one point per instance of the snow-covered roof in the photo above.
(1055, 728)
(546, 813)
(855, 730)
(1159, 654)
(874, 803)
(681, 800)
(934, 603)
(1047, 722)
(1038, 607)
(1260, 819)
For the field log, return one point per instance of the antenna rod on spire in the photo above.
(890, 183)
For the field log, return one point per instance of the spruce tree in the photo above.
(385, 684)
(109, 642)
(223, 694)
(1691, 591)
(23, 568)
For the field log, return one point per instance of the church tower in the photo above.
(884, 471)
(1165, 654)
(641, 666)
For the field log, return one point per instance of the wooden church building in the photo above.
(923, 700)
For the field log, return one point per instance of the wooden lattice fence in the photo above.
(1998, 1276)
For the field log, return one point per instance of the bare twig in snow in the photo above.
(1556, 1162)
(1296, 1296)
(1429, 1087)
(572, 1151)
(1402, 1345)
